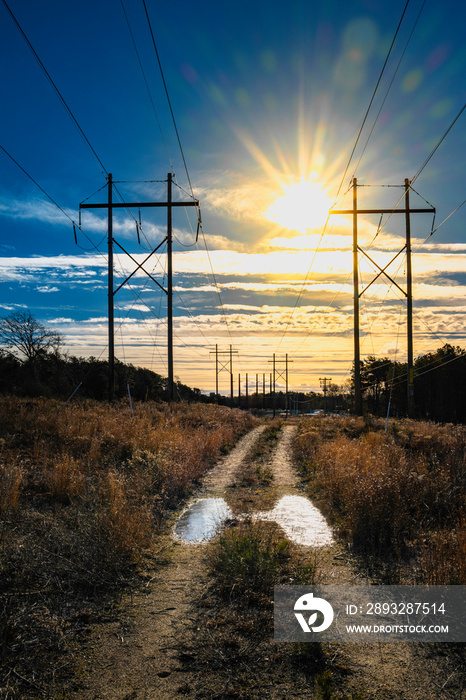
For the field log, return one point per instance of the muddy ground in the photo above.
(165, 641)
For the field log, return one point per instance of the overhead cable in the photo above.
(54, 86)
(373, 97)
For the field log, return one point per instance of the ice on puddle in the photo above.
(202, 519)
(301, 521)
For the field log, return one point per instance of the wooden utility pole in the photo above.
(325, 385)
(169, 290)
(286, 387)
(231, 376)
(111, 319)
(357, 352)
(224, 364)
(247, 395)
(216, 372)
(407, 211)
(409, 301)
(281, 374)
(110, 205)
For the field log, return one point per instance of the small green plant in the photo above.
(264, 474)
(247, 560)
(324, 683)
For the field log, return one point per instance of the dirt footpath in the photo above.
(138, 655)
(146, 653)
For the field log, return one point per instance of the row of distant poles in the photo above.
(277, 372)
(224, 361)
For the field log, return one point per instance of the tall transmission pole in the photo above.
(357, 351)
(325, 385)
(170, 288)
(111, 317)
(409, 300)
(110, 205)
(407, 211)
(280, 374)
(224, 364)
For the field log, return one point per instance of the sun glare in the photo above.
(303, 205)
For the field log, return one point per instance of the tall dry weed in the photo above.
(126, 525)
(113, 479)
(11, 482)
(442, 558)
(398, 494)
(64, 478)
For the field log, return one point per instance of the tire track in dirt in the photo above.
(284, 475)
(223, 473)
(138, 657)
(404, 670)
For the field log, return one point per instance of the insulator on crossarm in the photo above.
(199, 223)
(137, 233)
(75, 236)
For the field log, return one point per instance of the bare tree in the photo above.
(21, 333)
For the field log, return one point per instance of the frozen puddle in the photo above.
(301, 521)
(202, 520)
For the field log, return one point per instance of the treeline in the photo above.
(439, 385)
(56, 375)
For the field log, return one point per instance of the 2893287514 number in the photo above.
(403, 608)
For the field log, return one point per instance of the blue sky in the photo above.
(265, 96)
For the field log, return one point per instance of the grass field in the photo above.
(396, 496)
(83, 492)
(86, 494)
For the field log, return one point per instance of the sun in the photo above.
(303, 205)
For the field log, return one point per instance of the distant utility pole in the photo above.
(407, 211)
(224, 364)
(280, 374)
(239, 390)
(247, 395)
(325, 385)
(110, 206)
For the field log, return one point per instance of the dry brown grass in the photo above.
(82, 494)
(398, 495)
(11, 480)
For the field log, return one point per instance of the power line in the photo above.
(423, 166)
(28, 175)
(373, 97)
(391, 84)
(146, 83)
(36, 184)
(55, 88)
(440, 225)
(439, 143)
(352, 153)
(167, 95)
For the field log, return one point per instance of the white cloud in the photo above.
(135, 307)
(12, 307)
(46, 289)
